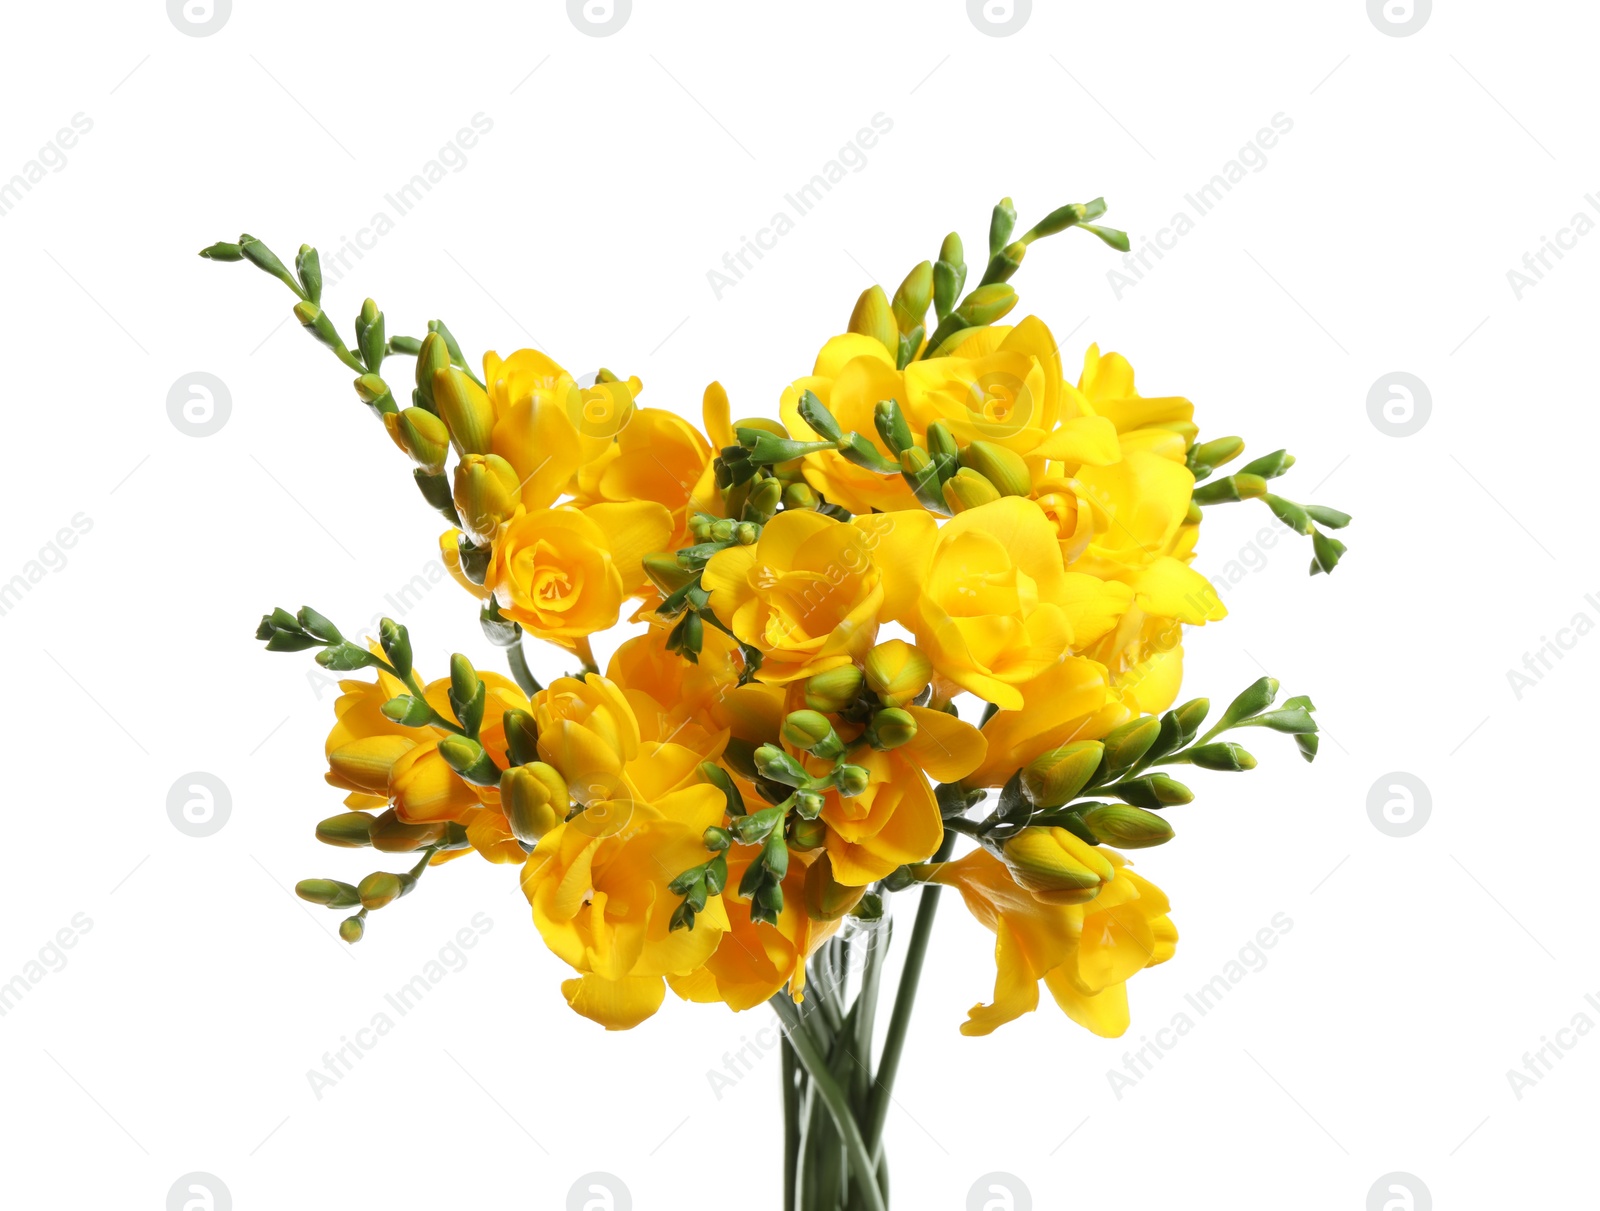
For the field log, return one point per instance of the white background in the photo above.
(1377, 238)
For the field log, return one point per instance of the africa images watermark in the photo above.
(852, 157)
(1136, 1065)
(1251, 158)
(52, 157)
(52, 557)
(449, 159)
(341, 1061)
(1537, 263)
(1540, 1063)
(1544, 658)
(51, 958)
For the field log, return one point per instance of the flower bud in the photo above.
(433, 355)
(835, 689)
(665, 572)
(1269, 466)
(1222, 756)
(349, 830)
(808, 834)
(810, 731)
(873, 317)
(852, 780)
(391, 835)
(330, 893)
(380, 889)
(422, 436)
(396, 642)
(912, 298)
(1003, 468)
(746, 533)
(1127, 826)
(1257, 697)
(799, 496)
(407, 711)
(1154, 791)
(465, 407)
(352, 929)
(1125, 745)
(778, 766)
(966, 489)
(1055, 777)
(364, 764)
(764, 499)
(486, 494)
(522, 737)
(716, 839)
(1217, 452)
(469, 760)
(826, 898)
(534, 800)
(890, 728)
(373, 391)
(1057, 867)
(897, 672)
(985, 305)
(941, 442)
(1192, 714)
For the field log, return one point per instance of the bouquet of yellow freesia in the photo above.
(938, 520)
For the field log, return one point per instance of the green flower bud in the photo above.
(1153, 791)
(852, 780)
(396, 642)
(1326, 552)
(1126, 826)
(941, 441)
(1125, 745)
(464, 406)
(1192, 714)
(371, 335)
(522, 737)
(807, 834)
(892, 426)
(799, 496)
(1221, 755)
(985, 305)
(716, 839)
(1055, 777)
(1257, 697)
(407, 711)
(1001, 224)
(433, 356)
(348, 830)
(308, 268)
(810, 731)
(329, 893)
(379, 890)
(890, 728)
(1217, 452)
(1003, 468)
(469, 760)
(391, 835)
(967, 489)
(422, 436)
(912, 298)
(1269, 466)
(352, 929)
(835, 689)
(315, 625)
(778, 766)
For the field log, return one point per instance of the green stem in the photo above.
(791, 1122)
(827, 1087)
(518, 660)
(905, 997)
(866, 1008)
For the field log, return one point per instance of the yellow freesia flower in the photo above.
(806, 594)
(997, 606)
(564, 573)
(1085, 953)
(1071, 701)
(657, 456)
(1161, 425)
(601, 903)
